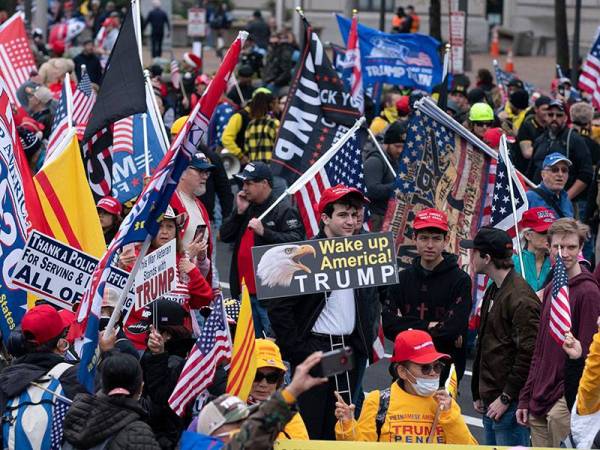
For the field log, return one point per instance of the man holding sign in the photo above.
(327, 321)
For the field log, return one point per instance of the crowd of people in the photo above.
(529, 389)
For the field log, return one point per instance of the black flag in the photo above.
(122, 93)
(318, 112)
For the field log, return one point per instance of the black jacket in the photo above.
(157, 19)
(93, 419)
(92, 66)
(282, 224)
(442, 295)
(279, 64)
(217, 185)
(292, 319)
(569, 143)
(380, 181)
(259, 30)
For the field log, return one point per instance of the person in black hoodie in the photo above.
(243, 228)
(41, 347)
(317, 322)
(434, 294)
(113, 417)
(378, 176)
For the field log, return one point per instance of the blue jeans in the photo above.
(262, 326)
(505, 432)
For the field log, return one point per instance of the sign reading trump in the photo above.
(324, 265)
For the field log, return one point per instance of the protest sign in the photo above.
(59, 273)
(323, 265)
(157, 275)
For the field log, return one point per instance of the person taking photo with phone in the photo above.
(327, 321)
(413, 410)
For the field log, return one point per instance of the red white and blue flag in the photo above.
(589, 80)
(353, 63)
(84, 98)
(143, 220)
(560, 310)
(61, 122)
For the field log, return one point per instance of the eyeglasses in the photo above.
(558, 115)
(484, 124)
(272, 378)
(554, 169)
(436, 367)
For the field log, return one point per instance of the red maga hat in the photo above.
(538, 219)
(415, 346)
(431, 218)
(333, 194)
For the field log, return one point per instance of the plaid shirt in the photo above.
(260, 138)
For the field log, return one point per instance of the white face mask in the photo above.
(426, 387)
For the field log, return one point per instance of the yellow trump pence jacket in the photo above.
(408, 420)
(295, 429)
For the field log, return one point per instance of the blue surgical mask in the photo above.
(426, 387)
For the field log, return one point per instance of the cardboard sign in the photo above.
(157, 275)
(323, 265)
(59, 273)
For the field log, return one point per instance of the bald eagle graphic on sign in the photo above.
(278, 265)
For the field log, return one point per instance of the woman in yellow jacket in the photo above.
(414, 404)
(269, 377)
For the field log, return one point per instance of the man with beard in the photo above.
(562, 139)
(243, 228)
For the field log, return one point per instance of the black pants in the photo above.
(156, 43)
(317, 406)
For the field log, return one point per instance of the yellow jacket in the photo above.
(380, 123)
(230, 132)
(588, 394)
(409, 419)
(295, 429)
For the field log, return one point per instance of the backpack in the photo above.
(384, 404)
(27, 422)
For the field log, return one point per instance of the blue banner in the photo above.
(408, 59)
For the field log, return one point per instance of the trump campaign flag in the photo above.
(406, 59)
(351, 65)
(142, 223)
(318, 113)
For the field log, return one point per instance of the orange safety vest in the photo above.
(415, 24)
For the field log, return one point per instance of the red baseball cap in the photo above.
(110, 205)
(431, 218)
(538, 219)
(333, 194)
(415, 346)
(403, 105)
(492, 137)
(44, 323)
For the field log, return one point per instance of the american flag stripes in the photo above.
(560, 310)
(589, 80)
(123, 135)
(175, 74)
(84, 98)
(16, 58)
(353, 60)
(61, 122)
(212, 347)
(346, 167)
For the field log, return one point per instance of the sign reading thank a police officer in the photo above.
(323, 265)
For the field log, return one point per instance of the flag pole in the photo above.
(145, 131)
(385, 157)
(509, 170)
(237, 88)
(446, 61)
(125, 292)
(69, 100)
(135, 6)
(312, 171)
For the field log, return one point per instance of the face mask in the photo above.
(425, 387)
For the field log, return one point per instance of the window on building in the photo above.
(375, 5)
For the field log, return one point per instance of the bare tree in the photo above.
(435, 19)
(562, 36)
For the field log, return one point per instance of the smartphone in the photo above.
(334, 362)
(200, 230)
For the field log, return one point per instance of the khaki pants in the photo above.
(549, 431)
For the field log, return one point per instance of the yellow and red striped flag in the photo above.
(243, 359)
(67, 201)
(452, 383)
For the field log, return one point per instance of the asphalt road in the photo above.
(376, 376)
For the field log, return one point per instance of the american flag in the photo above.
(503, 78)
(589, 80)
(175, 74)
(346, 167)
(59, 411)
(83, 101)
(501, 209)
(354, 65)
(123, 135)
(212, 347)
(61, 121)
(142, 223)
(16, 59)
(560, 310)
(232, 308)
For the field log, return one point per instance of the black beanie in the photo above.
(395, 133)
(519, 99)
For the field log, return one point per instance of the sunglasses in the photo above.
(272, 378)
(436, 367)
(557, 115)
(484, 124)
(558, 169)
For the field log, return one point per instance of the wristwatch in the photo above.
(505, 399)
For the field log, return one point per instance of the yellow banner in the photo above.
(340, 445)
